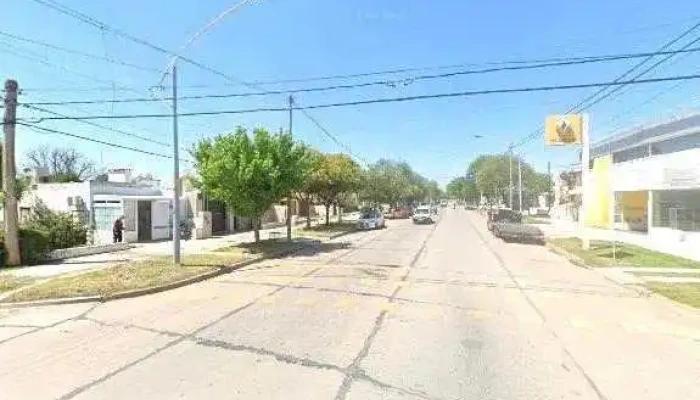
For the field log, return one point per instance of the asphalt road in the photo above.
(439, 311)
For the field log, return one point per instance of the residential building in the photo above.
(648, 180)
(100, 201)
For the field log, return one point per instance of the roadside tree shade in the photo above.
(250, 172)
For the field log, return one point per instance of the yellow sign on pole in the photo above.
(562, 130)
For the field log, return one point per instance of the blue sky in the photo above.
(286, 39)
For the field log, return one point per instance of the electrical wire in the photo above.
(332, 137)
(77, 52)
(580, 106)
(392, 99)
(391, 83)
(101, 25)
(125, 133)
(49, 130)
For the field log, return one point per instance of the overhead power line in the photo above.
(116, 145)
(332, 136)
(389, 99)
(125, 133)
(581, 106)
(77, 52)
(392, 83)
(106, 28)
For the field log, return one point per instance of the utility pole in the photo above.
(520, 185)
(510, 176)
(289, 199)
(9, 174)
(176, 175)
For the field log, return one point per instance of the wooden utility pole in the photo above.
(9, 174)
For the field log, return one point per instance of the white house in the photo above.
(99, 202)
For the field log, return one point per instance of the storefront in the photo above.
(653, 181)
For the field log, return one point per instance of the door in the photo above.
(144, 220)
(218, 216)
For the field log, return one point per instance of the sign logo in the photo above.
(563, 129)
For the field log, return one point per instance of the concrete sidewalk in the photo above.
(153, 249)
(566, 228)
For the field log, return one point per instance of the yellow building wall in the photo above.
(600, 200)
(634, 206)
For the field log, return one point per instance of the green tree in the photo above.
(491, 174)
(250, 172)
(392, 182)
(305, 193)
(335, 175)
(462, 189)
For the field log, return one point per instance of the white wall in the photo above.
(55, 195)
(679, 170)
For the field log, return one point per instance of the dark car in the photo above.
(507, 225)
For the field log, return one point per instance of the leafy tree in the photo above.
(392, 182)
(491, 174)
(305, 193)
(64, 164)
(336, 174)
(462, 189)
(250, 173)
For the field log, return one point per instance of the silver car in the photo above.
(423, 215)
(371, 219)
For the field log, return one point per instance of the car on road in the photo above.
(371, 219)
(423, 215)
(507, 225)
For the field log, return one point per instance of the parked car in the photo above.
(507, 225)
(400, 213)
(423, 215)
(371, 219)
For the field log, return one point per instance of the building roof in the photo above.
(676, 127)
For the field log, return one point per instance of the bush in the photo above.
(33, 246)
(63, 230)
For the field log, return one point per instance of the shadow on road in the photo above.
(318, 248)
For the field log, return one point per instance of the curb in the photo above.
(576, 260)
(149, 290)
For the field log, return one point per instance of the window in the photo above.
(105, 217)
(630, 154)
(676, 144)
(677, 209)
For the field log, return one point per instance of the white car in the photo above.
(423, 215)
(371, 219)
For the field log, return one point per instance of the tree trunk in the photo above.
(308, 213)
(340, 215)
(328, 215)
(256, 228)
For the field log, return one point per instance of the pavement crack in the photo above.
(285, 358)
(55, 324)
(83, 388)
(354, 367)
